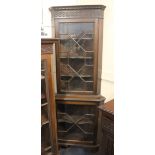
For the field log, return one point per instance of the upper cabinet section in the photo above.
(78, 61)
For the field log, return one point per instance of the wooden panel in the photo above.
(107, 128)
(49, 144)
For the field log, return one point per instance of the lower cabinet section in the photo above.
(77, 120)
(76, 123)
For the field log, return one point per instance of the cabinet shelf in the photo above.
(75, 91)
(74, 137)
(76, 76)
(76, 39)
(74, 119)
(65, 131)
(42, 77)
(44, 119)
(70, 122)
(47, 148)
(75, 57)
(65, 120)
(44, 104)
(86, 78)
(44, 123)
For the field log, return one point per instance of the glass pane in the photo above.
(89, 54)
(77, 51)
(89, 61)
(76, 84)
(76, 56)
(63, 28)
(76, 64)
(74, 123)
(86, 71)
(78, 28)
(87, 44)
(66, 45)
(64, 85)
(89, 85)
(65, 68)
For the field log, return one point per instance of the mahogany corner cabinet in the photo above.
(78, 72)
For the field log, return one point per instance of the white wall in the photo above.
(107, 85)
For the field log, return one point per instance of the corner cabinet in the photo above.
(78, 69)
(49, 145)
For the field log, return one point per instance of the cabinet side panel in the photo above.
(100, 43)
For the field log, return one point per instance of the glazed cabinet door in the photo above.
(77, 56)
(75, 125)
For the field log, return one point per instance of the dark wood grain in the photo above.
(78, 71)
(49, 108)
(107, 128)
(108, 107)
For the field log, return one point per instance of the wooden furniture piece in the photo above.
(78, 119)
(78, 69)
(49, 143)
(107, 128)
